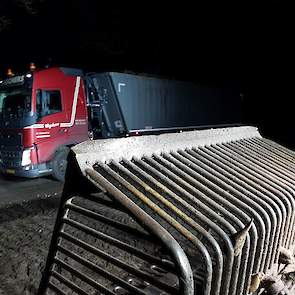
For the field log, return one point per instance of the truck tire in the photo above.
(59, 163)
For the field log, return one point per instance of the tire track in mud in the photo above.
(25, 233)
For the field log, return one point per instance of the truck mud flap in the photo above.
(199, 212)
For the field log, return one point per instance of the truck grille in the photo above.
(192, 213)
(11, 158)
(10, 139)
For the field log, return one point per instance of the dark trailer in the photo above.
(131, 104)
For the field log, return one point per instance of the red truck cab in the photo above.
(42, 114)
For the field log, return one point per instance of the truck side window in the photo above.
(48, 102)
(52, 101)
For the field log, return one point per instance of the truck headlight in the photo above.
(26, 157)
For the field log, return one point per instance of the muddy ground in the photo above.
(16, 189)
(25, 231)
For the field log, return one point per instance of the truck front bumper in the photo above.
(28, 171)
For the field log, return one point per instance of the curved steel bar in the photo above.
(279, 147)
(165, 216)
(246, 186)
(228, 200)
(284, 180)
(210, 239)
(214, 226)
(198, 198)
(266, 161)
(222, 182)
(273, 153)
(183, 265)
(253, 172)
(210, 195)
(268, 180)
(193, 212)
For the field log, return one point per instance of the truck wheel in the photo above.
(59, 164)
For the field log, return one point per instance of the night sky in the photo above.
(245, 47)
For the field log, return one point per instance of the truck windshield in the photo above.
(15, 102)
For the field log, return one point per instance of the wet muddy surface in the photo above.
(17, 189)
(25, 232)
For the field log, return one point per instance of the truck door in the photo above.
(51, 111)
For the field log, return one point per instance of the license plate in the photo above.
(10, 171)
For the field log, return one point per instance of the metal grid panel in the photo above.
(107, 252)
(229, 205)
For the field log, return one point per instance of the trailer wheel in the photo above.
(59, 164)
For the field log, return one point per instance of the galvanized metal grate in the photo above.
(224, 197)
